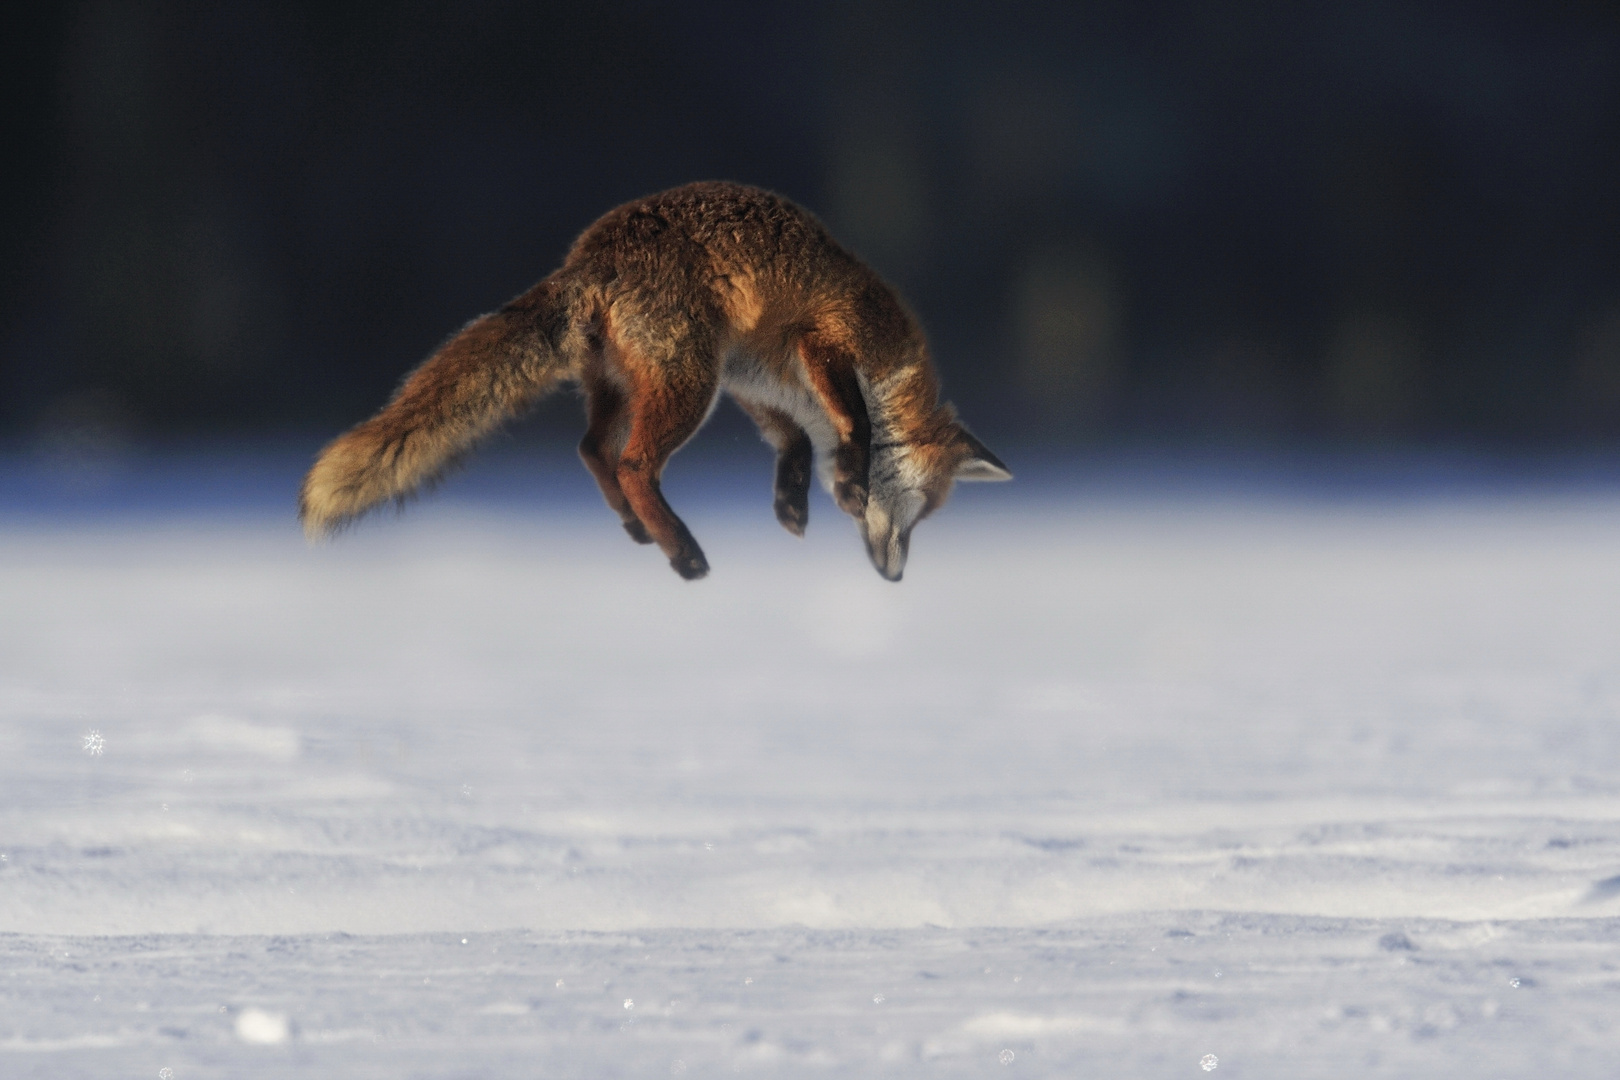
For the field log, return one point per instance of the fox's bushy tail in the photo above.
(492, 370)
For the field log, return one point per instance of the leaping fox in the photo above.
(660, 305)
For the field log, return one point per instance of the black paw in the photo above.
(691, 565)
(850, 497)
(637, 531)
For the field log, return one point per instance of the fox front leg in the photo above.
(830, 369)
(794, 463)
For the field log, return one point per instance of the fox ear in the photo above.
(980, 463)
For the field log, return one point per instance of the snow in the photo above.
(1123, 779)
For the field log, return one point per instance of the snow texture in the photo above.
(1114, 784)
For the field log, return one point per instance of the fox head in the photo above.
(910, 480)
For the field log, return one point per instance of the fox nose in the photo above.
(888, 552)
(886, 542)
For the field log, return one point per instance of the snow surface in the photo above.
(1321, 784)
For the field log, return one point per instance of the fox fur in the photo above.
(659, 306)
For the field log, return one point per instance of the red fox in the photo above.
(659, 306)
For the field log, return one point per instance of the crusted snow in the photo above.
(1322, 787)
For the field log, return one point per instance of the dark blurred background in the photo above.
(1338, 223)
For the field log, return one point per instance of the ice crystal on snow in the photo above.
(629, 1003)
(877, 999)
(1007, 1057)
(1513, 983)
(261, 1028)
(94, 744)
(165, 1073)
(1209, 1061)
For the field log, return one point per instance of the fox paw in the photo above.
(794, 514)
(691, 565)
(850, 497)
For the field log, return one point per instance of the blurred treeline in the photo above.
(1335, 221)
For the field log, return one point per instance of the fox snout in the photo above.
(888, 540)
(889, 553)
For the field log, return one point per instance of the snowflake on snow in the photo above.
(94, 744)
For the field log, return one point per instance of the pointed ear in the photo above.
(980, 463)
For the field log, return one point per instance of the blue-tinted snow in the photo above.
(1302, 768)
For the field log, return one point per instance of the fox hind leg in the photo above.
(794, 464)
(606, 419)
(665, 414)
